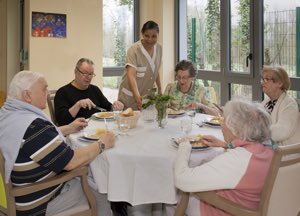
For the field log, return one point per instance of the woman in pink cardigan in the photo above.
(238, 174)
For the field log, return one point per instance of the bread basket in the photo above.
(130, 120)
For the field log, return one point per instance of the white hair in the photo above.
(247, 120)
(23, 80)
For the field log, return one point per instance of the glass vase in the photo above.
(161, 115)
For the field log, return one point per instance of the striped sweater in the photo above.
(42, 155)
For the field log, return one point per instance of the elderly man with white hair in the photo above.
(35, 149)
(238, 174)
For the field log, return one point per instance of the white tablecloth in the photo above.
(139, 169)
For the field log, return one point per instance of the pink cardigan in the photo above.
(239, 174)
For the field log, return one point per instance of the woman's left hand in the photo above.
(212, 141)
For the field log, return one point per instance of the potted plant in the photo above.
(160, 101)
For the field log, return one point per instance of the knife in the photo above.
(100, 109)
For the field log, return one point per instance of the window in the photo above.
(282, 37)
(120, 30)
(229, 41)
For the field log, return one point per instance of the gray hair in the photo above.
(23, 80)
(82, 60)
(247, 120)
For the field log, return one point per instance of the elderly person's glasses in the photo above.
(184, 78)
(266, 79)
(86, 74)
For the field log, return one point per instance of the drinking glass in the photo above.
(123, 127)
(186, 126)
(191, 113)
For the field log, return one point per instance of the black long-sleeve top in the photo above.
(68, 95)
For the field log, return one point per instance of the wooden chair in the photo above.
(2, 98)
(50, 102)
(212, 93)
(8, 192)
(280, 195)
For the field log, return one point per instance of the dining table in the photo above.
(140, 167)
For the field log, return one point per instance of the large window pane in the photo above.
(213, 90)
(239, 90)
(118, 36)
(117, 31)
(240, 35)
(203, 26)
(280, 35)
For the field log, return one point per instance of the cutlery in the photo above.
(100, 109)
(218, 107)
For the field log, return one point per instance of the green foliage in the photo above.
(127, 2)
(213, 31)
(156, 99)
(120, 51)
(244, 25)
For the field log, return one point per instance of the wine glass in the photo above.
(186, 126)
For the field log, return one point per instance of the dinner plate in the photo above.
(175, 113)
(211, 124)
(195, 145)
(86, 139)
(103, 115)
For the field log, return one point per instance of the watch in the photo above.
(230, 146)
(101, 146)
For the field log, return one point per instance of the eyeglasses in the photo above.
(86, 74)
(265, 79)
(184, 78)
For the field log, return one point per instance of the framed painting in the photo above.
(49, 25)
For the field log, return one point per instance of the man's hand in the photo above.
(108, 139)
(85, 103)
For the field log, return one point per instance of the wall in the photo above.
(56, 57)
(162, 12)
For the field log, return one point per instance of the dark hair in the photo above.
(186, 65)
(150, 25)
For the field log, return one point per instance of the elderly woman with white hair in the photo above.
(238, 174)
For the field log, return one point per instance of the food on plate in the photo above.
(171, 111)
(196, 142)
(219, 118)
(128, 112)
(105, 115)
(216, 120)
(97, 134)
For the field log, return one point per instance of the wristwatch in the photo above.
(101, 146)
(230, 146)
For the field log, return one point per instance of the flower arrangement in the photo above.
(161, 102)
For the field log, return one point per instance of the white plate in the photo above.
(198, 148)
(109, 116)
(211, 124)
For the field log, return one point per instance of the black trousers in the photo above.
(119, 208)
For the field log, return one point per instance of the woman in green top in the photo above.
(187, 91)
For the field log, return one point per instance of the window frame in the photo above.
(118, 71)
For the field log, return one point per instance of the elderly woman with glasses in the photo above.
(239, 173)
(79, 97)
(187, 91)
(282, 107)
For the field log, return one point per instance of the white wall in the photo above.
(56, 57)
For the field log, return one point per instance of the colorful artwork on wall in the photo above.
(49, 25)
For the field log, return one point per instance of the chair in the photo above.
(50, 102)
(2, 98)
(280, 195)
(8, 193)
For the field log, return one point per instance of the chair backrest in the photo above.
(2, 98)
(281, 192)
(8, 205)
(50, 102)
